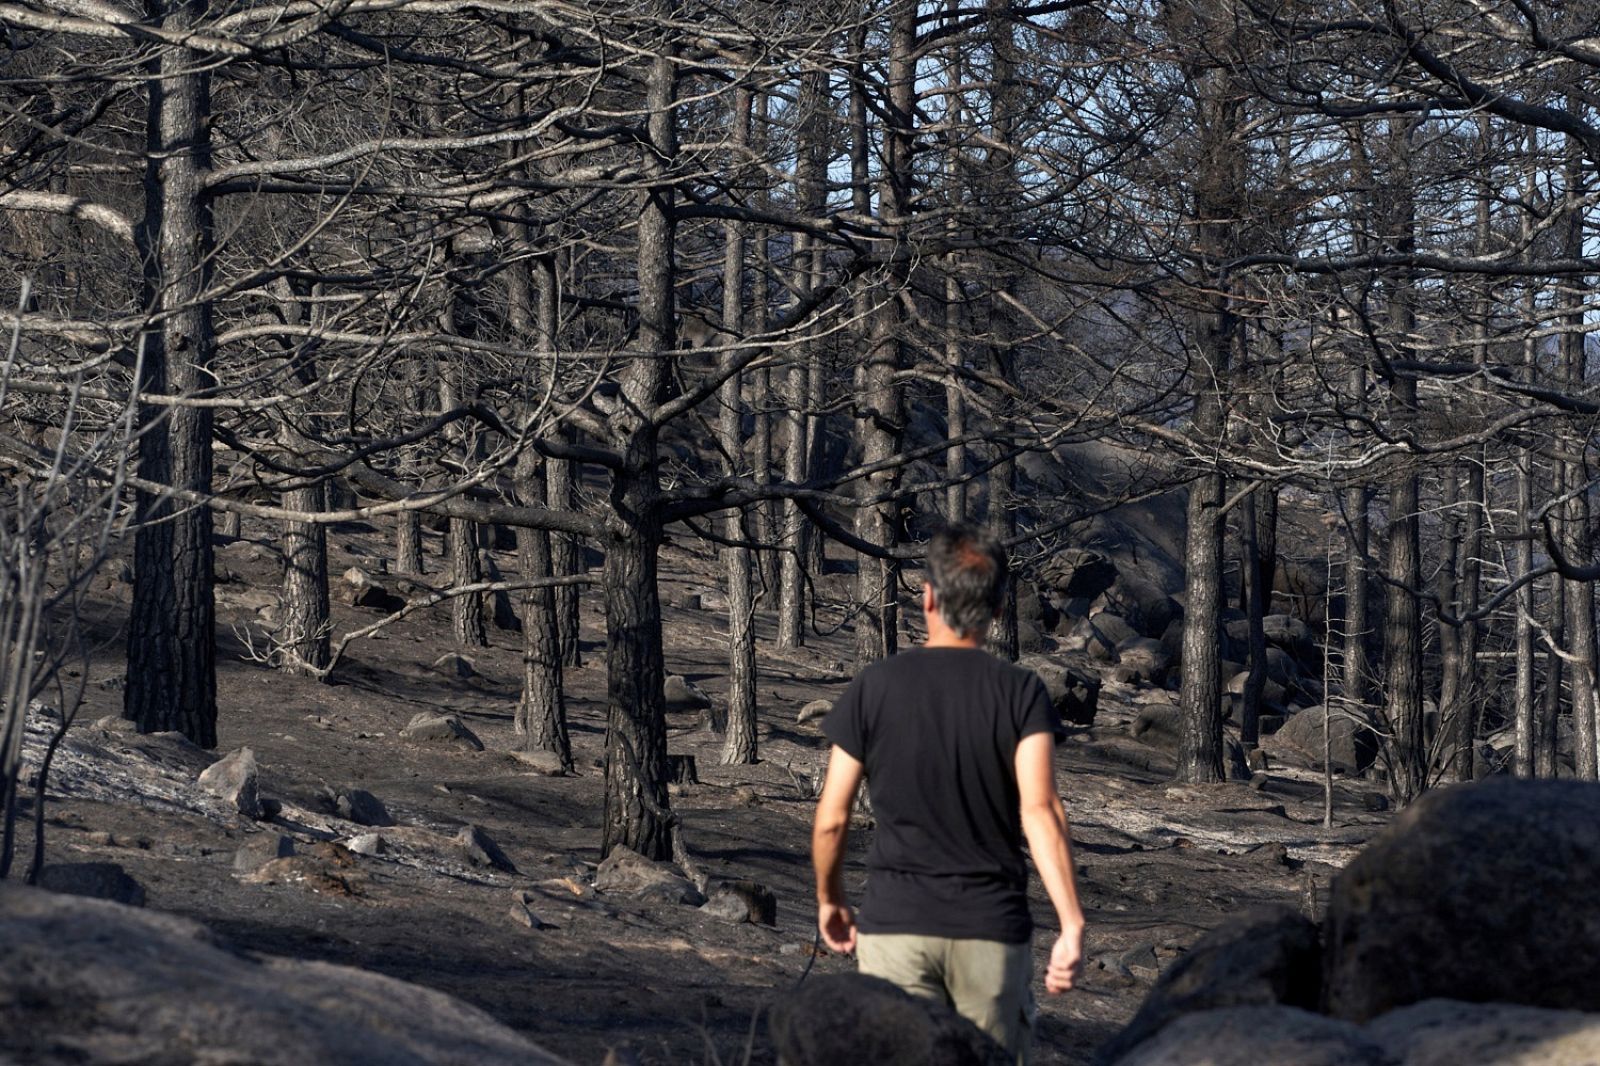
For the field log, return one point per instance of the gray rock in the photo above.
(454, 664)
(1076, 694)
(104, 980)
(1096, 636)
(522, 914)
(259, 850)
(814, 711)
(1263, 957)
(543, 762)
(1273, 695)
(362, 807)
(1354, 746)
(479, 850)
(1144, 660)
(1144, 606)
(95, 880)
(683, 696)
(1078, 573)
(1258, 1036)
(743, 901)
(852, 1018)
(367, 844)
(1444, 1032)
(1478, 892)
(235, 778)
(440, 729)
(627, 873)
(1159, 725)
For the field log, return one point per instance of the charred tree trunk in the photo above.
(542, 711)
(636, 805)
(1255, 683)
(879, 419)
(739, 740)
(171, 679)
(408, 543)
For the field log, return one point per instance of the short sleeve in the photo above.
(1039, 714)
(846, 724)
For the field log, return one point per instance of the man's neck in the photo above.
(945, 637)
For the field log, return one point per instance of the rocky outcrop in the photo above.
(852, 1018)
(1352, 745)
(87, 981)
(1478, 892)
(1261, 958)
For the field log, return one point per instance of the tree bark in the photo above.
(879, 419)
(542, 710)
(739, 740)
(171, 680)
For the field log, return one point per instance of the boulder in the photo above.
(1160, 725)
(1076, 694)
(544, 763)
(453, 664)
(259, 850)
(1263, 957)
(681, 695)
(814, 711)
(627, 873)
(853, 1018)
(235, 778)
(361, 807)
(1258, 1036)
(1354, 745)
(1097, 636)
(479, 849)
(362, 590)
(1444, 1032)
(440, 729)
(1142, 660)
(1145, 607)
(95, 880)
(1078, 573)
(1481, 892)
(121, 985)
(743, 901)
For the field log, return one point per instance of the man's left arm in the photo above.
(829, 833)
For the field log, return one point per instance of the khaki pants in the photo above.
(985, 981)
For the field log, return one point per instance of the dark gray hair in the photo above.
(967, 570)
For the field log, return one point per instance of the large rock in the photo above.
(852, 1018)
(94, 880)
(683, 695)
(479, 849)
(1098, 635)
(1479, 892)
(627, 873)
(1260, 1036)
(86, 981)
(1444, 1032)
(1144, 606)
(235, 778)
(362, 807)
(1160, 725)
(1353, 746)
(1142, 659)
(261, 849)
(1078, 573)
(1439, 1032)
(1264, 957)
(1076, 694)
(440, 729)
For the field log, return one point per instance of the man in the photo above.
(958, 749)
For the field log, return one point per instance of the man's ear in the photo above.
(927, 596)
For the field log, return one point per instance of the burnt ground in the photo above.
(1157, 866)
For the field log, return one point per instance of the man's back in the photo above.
(936, 730)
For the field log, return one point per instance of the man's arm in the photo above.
(828, 836)
(1044, 823)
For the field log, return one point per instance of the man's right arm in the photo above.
(1044, 823)
(835, 920)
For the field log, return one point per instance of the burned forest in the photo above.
(454, 454)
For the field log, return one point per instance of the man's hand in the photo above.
(1066, 961)
(837, 923)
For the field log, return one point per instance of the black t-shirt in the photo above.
(937, 731)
